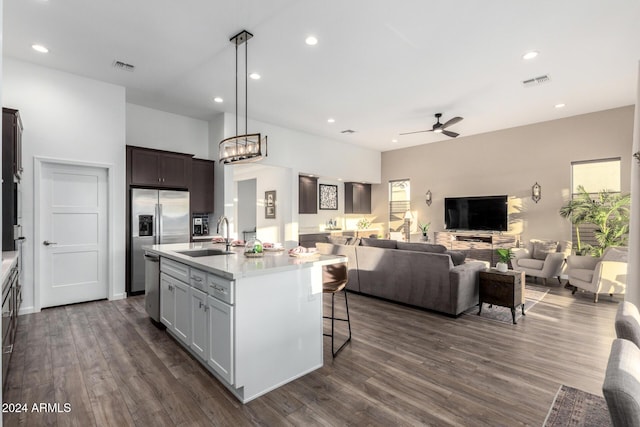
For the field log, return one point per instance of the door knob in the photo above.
(47, 243)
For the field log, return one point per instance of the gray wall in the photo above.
(509, 162)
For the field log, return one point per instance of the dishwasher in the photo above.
(152, 285)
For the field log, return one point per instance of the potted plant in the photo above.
(424, 228)
(608, 211)
(504, 256)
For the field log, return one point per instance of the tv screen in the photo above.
(487, 213)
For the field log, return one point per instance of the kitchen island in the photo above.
(254, 323)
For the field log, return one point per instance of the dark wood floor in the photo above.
(403, 367)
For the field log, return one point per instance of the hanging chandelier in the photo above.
(248, 147)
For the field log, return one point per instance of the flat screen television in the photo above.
(486, 213)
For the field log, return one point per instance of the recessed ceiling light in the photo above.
(254, 76)
(530, 55)
(39, 48)
(331, 120)
(339, 179)
(311, 41)
(218, 99)
(394, 140)
(561, 105)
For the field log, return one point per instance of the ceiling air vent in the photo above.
(348, 131)
(123, 66)
(536, 81)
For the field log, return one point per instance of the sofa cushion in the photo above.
(421, 247)
(621, 388)
(541, 248)
(379, 243)
(614, 254)
(339, 240)
(355, 242)
(531, 263)
(456, 256)
(582, 274)
(628, 322)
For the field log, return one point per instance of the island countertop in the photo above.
(236, 265)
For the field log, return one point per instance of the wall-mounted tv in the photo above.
(486, 213)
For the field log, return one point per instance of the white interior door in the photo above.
(73, 228)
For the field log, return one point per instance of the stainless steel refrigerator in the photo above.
(157, 217)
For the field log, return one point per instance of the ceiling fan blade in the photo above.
(451, 122)
(418, 131)
(449, 133)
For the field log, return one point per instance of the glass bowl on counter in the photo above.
(253, 249)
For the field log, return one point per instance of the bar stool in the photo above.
(334, 280)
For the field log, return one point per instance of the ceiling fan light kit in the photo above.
(248, 147)
(440, 127)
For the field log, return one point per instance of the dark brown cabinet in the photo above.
(11, 299)
(357, 198)
(201, 186)
(11, 173)
(159, 168)
(307, 194)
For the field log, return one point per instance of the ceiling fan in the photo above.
(440, 127)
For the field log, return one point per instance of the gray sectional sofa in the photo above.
(416, 274)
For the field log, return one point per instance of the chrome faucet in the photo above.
(228, 239)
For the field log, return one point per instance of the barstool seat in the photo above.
(334, 280)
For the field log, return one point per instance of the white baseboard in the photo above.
(26, 310)
(116, 297)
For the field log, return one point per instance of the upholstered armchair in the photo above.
(607, 274)
(541, 258)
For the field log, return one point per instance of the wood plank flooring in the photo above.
(403, 367)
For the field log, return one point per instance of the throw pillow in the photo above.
(457, 257)
(339, 240)
(614, 254)
(542, 248)
(421, 247)
(378, 243)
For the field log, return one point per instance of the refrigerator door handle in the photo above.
(156, 225)
(160, 231)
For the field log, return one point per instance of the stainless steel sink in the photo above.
(204, 252)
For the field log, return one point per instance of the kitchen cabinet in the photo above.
(156, 168)
(167, 301)
(11, 174)
(182, 324)
(11, 299)
(221, 338)
(11, 145)
(357, 198)
(199, 324)
(307, 194)
(201, 186)
(175, 307)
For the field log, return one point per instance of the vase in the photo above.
(502, 267)
(425, 238)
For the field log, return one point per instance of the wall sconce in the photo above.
(637, 156)
(536, 192)
(428, 198)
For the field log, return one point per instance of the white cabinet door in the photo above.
(167, 301)
(182, 324)
(221, 338)
(199, 323)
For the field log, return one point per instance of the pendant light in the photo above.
(248, 147)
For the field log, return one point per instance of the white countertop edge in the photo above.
(235, 262)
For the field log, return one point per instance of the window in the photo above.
(399, 203)
(594, 176)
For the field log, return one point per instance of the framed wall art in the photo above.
(270, 204)
(328, 197)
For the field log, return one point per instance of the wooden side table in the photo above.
(504, 289)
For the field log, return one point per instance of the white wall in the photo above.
(270, 178)
(151, 128)
(509, 162)
(298, 152)
(633, 278)
(247, 206)
(73, 118)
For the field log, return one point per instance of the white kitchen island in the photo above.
(255, 323)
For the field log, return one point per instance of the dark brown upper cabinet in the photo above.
(201, 186)
(307, 194)
(357, 198)
(157, 168)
